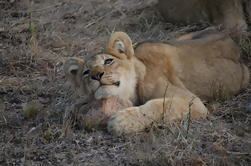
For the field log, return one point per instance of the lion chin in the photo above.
(162, 81)
(106, 91)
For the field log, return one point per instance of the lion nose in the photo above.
(97, 76)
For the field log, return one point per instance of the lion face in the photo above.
(106, 75)
(109, 74)
(73, 69)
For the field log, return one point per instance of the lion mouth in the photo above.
(117, 83)
(114, 84)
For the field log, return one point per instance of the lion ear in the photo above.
(73, 65)
(73, 68)
(120, 45)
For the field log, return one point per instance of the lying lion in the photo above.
(232, 15)
(164, 81)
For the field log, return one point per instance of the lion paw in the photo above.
(125, 121)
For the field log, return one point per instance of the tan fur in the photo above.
(73, 69)
(227, 13)
(165, 80)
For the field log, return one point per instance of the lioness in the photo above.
(163, 80)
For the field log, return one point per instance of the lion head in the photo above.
(107, 74)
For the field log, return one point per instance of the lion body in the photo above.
(163, 81)
(229, 13)
(207, 62)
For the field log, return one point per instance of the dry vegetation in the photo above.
(36, 36)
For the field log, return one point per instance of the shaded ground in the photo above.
(34, 40)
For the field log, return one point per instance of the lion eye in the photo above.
(86, 72)
(108, 61)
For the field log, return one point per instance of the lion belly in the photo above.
(213, 70)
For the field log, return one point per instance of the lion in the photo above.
(164, 81)
(87, 112)
(232, 15)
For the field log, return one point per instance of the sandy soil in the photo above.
(36, 37)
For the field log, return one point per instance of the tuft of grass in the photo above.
(245, 45)
(31, 111)
(218, 92)
(33, 40)
(51, 134)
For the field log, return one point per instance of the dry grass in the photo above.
(31, 53)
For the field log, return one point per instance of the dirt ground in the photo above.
(35, 38)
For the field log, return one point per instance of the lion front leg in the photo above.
(134, 119)
(129, 120)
